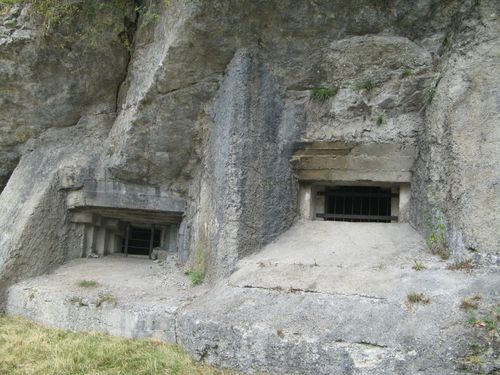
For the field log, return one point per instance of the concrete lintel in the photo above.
(117, 195)
(354, 175)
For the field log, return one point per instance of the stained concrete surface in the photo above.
(325, 298)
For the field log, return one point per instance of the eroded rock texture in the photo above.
(208, 101)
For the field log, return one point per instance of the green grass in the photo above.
(380, 120)
(418, 266)
(88, 284)
(196, 276)
(27, 348)
(365, 84)
(322, 94)
(428, 94)
(406, 72)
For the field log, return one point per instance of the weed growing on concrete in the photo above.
(77, 301)
(89, 284)
(197, 272)
(418, 266)
(406, 72)
(469, 304)
(414, 297)
(365, 84)
(106, 299)
(490, 322)
(322, 94)
(32, 294)
(380, 120)
(464, 265)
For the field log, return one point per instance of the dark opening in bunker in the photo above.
(140, 241)
(358, 204)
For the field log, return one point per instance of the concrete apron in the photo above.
(326, 297)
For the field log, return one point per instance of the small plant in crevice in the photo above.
(406, 72)
(196, 276)
(428, 94)
(418, 266)
(436, 236)
(366, 84)
(322, 94)
(490, 322)
(88, 284)
(463, 265)
(415, 297)
(380, 120)
(197, 272)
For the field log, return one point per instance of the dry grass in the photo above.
(471, 303)
(27, 348)
(464, 265)
(417, 298)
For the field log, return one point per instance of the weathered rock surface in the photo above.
(206, 104)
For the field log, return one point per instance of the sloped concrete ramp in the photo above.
(325, 298)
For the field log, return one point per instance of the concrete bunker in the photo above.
(341, 181)
(112, 217)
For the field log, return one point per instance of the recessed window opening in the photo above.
(358, 204)
(139, 240)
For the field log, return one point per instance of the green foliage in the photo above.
(197, 272)
(436, 236)
(88, 284)
(366, 84)
(406, 72)
(196, 276)
(418, 266)
(6, 4)
(380, 120)
(74, 21)
(428, 94)
(322, 94)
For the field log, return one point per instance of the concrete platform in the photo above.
(134, 297)
(325, 298)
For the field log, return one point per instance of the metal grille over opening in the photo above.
(140, 241)
(358, 204)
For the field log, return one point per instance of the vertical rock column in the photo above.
(248, 195)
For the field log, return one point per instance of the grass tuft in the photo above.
(322, 94)
(419, 266)
(27, 348)
(88, 284)
(106, 299)
(464, 265)
(196, 276)
(406, 72)
(428, 94)
(414, 297)
(366, 84)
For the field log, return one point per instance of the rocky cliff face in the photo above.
(217, 95)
